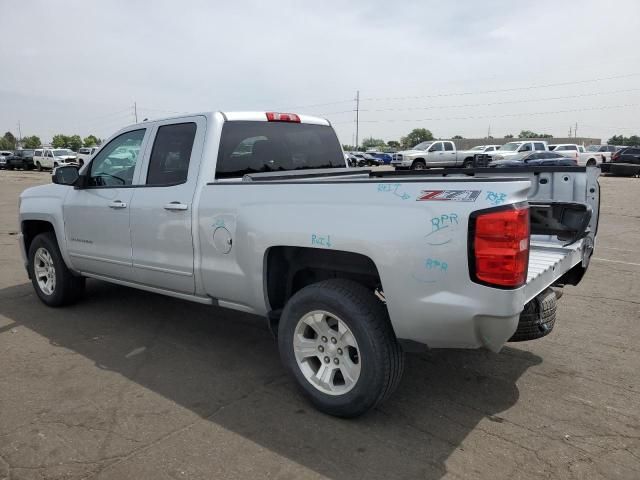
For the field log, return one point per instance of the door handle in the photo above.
(175, 206)
(117, 204)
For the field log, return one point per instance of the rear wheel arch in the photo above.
(288, 269)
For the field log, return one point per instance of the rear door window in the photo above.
(171, 154)
(258, 147)
(448, 146)
(539, 146)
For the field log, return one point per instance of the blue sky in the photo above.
(78, 67)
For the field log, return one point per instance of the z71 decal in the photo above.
(448, 195)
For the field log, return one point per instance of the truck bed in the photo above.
(548, 261)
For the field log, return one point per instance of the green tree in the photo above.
(457, 137)
(393, 144)
(417, 135)
(32, 141)
(60, 141)
(8, 141)
(91, 141)
(530, 134)
(74, 142)
(372, 143)
(633, 140)
(509, 136)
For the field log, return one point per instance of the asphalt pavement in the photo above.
(132, 385)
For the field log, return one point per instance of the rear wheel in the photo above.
(468, 163)
(336, 340)
(419, 165)
(39, 166)
(591, 162)
(538, 317)
(54, 284)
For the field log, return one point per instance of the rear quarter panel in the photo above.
(418, 246)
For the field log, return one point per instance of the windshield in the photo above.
(510, 147)
(258, 147)
(62, 152)
(422, 146)
(28, 153)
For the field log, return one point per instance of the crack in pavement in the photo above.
(184, 428)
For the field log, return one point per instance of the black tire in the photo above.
(419, 165)
(538, 318)
(39, 165)
(381, 356)
(468, 163)
(591, 163)
(69, 288)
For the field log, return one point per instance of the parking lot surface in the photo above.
(129, 384)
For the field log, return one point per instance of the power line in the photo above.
(479, 92)
(489, 104)
(514, 89)
(477, 117)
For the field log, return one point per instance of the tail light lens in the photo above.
(615, 156)
(499, 247)
(283, 117)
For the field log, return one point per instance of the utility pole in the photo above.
(19, 133)
(575, 131)
(135, 111)
(489, 132)
(357, 116)
(570, 131)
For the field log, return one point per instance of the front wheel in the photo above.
(419, 165)
(336, 340)
(468, 164)
(54, 284)
(39, 165)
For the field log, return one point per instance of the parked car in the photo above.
(428, 154)
(85, 153)
(468, 156)
(51, 158)
(625, 162)
(578, 153)
(605, 151)
(283, 230)
(3, 158)
(509, 150)
(384, 158)
(365, 159)
(20, 159)
(535, 159)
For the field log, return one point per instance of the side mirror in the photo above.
(65, 175)
(432, 149)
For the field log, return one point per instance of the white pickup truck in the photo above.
(590, 156)
(351, 267)
(428, 154)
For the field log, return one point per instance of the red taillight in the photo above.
(500, 247)
(615, 156)
(283, 117)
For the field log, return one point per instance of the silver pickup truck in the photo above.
(257, 212)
